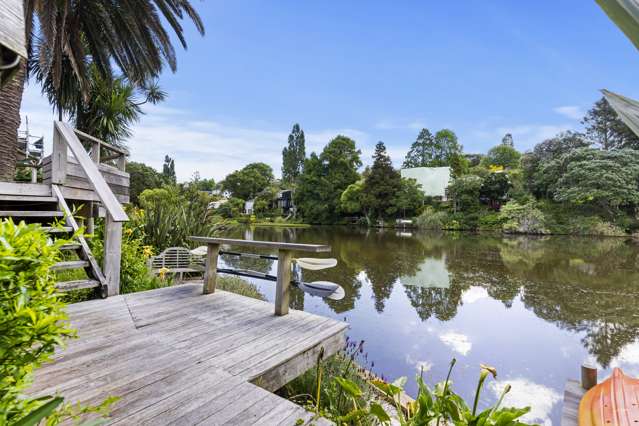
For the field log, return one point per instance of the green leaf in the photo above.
(349, 387)
(42, 412)
(378, 411)
(400, 382)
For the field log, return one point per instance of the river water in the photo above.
(534, 308)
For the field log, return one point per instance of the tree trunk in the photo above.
(10, 100)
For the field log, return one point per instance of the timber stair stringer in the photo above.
(81, 247)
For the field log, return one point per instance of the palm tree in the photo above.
(127, 34)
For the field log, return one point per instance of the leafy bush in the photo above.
(134, 272)
(431, 219)
(239, 286)
(171, 214)
(491, 222)
(522, 219)
(347, 394)
(32, 325)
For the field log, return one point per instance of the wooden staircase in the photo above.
(57, 219)
(90, 173)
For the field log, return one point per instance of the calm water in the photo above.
(535, 308)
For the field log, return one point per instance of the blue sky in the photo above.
(375, 71)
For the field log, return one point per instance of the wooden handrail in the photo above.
(313, 248)
(106, 145)
(284, 259)
(101, 188)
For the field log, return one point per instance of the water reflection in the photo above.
(571, 297)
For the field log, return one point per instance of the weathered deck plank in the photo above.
(175, 356)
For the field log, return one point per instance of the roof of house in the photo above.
(433, 180)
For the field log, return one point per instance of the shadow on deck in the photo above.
(176, 356)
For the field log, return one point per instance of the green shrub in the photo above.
(593, 225)
(134, 271)
(431, 219)
(32, 324)
(170, 215)
(522, 219)
(239, 286)
(491, 222)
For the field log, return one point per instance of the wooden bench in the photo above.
(176, 260)
(284, 256)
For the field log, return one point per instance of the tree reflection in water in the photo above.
(589, 286)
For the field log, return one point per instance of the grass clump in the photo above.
(239, 286)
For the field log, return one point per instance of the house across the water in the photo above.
(433, 180)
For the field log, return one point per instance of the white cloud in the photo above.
(406, 124)
(212, 147)
(525, 136)
(540, 398)
(474, 294)
(460, 343)
(571, 111)
(419, 365)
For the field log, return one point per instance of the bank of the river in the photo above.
(419, 299)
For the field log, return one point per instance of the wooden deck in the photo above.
(176, 356)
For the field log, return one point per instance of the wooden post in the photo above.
(112, 254)
(588, 376)
(210, 274)
(282, 290)
(121, 162)
(90, 219)
(95, 152)
(58, 159)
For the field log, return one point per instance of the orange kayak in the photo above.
(613, 402)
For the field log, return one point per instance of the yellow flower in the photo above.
(162, 272)
(128, 231)
(147, 251)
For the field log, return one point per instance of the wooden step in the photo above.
(76, 285)
(30, 213)
(28, 198)
(70, 264)
(57, 229)
(70, 246)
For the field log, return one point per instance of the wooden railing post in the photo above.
(282, 290)
(95, 152)
(58, 159)
(210, 274)
(112, 254)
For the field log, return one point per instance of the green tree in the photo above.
(313, 194)
(382, 185)
(607, 179)
(62, 36)
(494, 189)
(329, 174)
(351, 199)
(433, 151)
(168, 171)
(533, 162)
(248, 182)
(409, 198)
(112, 107)
(503, 156)
(202, 184)
(464, 192)
(605, 128)
(293, 156)
(142, 177)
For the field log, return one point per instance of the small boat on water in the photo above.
(613, 402)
